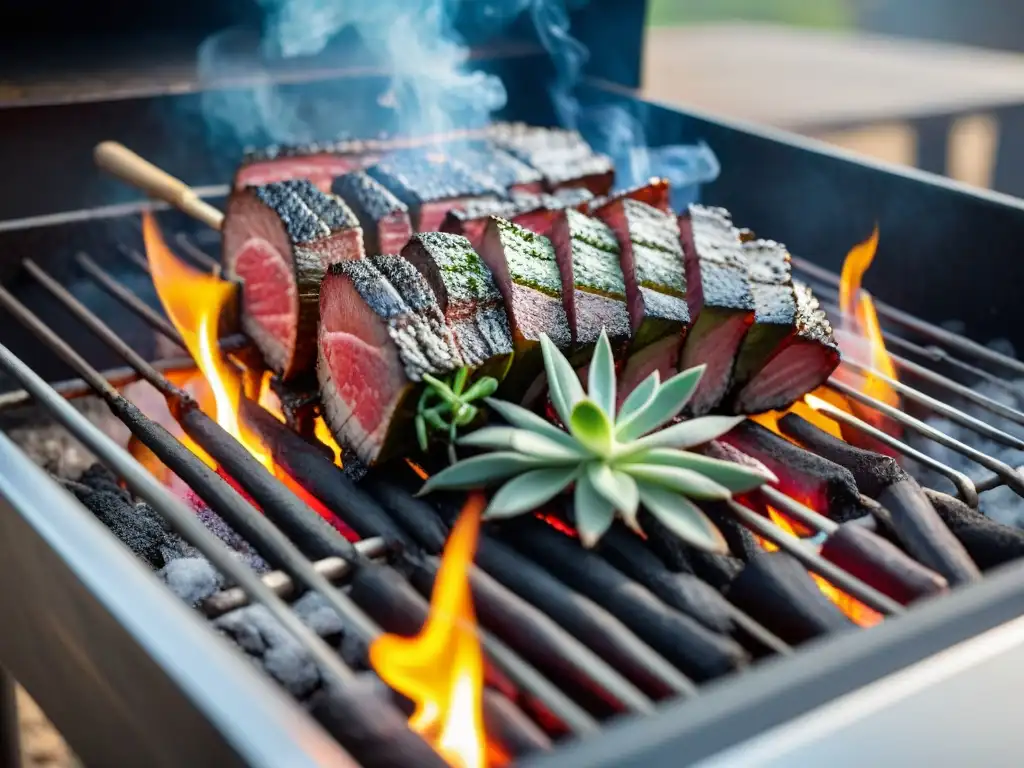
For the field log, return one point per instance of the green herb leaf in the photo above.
(683, 518)
(687, 434)
(591, 427)
(520, 417)
(640, 396)
(684, 481)
(593, 512)
(618, 488)
(459, 382)
(421, 431)
(736, 477)
(666, 404)
(523, 441)
(482, 387)
(529, 491)
(563, 383)
(601, 381)
(480, 470)
(441, 389)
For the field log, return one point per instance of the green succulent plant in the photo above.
(446, 406)
(618, 462)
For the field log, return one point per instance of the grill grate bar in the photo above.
(906, 320)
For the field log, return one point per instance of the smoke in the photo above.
(433, 84)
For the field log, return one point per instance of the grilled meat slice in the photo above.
(540, 217)
(656, 193)
(565, 159)
(526, 272)
(656, 287)
(502, 168)
(593, 289)
(720, 298)
(430, 183)
(467, 296)
(373, 350)
(318, 163)
(801, 362)
(278, 241)
(470, 220)
(383, 217)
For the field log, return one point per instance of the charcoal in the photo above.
(300, 401)
(192, 579)
(989, 543)
(716, 569)
(776, 590)
(98, 476)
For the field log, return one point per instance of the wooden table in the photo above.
(814, 81)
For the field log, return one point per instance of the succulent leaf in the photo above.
(520, 417)
(529, 491)
(617, 487)
(563, 384)
(682, 517)
(684, 481)
(592, 428)
(593, 511)
(686, 434)
(736, 477)
(641, 395)
(669, 399)
(480, 470)
(523, 441)
(601, 381)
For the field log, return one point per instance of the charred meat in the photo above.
(318, 163)
(502, 168)
(467, 297)
(526, 272)
(374, 348)
(565, 159)
(656, 287)
(593, 289)
(800, 363)
(430, 183)
(530, 211)
(383, 217)
(720, 297)
(279, 239)
(655, 193)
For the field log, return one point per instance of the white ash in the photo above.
(1000, 504)
(193, 579)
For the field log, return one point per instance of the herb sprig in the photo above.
(616, 462)
(447, 406)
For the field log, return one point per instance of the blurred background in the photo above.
(936, 84)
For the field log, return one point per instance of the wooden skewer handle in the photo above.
(120, 161)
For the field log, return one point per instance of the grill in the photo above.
(591, 657)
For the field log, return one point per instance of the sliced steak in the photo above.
(800, 363)
(656, 287)
(526, 272)
(593, 289)
(318, 163)
(383, 217)
(657, 193)
(470, 220)
(373, 349)
(279, 239)
(467, 296)
(565, 159)
(541, 216)
(720, 297)
(430, 183)
(502, 168)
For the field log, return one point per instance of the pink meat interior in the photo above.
(394, 232)
(320, 169)
(715, 348)
(796, 368)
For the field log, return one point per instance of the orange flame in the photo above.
(323, 433)
(193, 300)
(855, 610)
(442, 669)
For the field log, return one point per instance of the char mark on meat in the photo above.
(655, 193)
(467, 296)
(593, 289)
(656, 287)
(374, 348)
(383, 217)
(526, 272)
(535, 212)
(278, 241)
(319, 163)
(803, 361)
(565, 159)
(502, 168)
(721, 300)
(430, 183)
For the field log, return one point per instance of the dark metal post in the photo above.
(10, 741)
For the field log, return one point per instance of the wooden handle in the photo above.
(120, 161)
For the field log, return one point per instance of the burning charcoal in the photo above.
(593, 289)
(804, 476)
(278, 241)
(299, 402)
(467, 297)
(916, 523)
(777, 591)
(508, 728)
(226, 534)
(656, 287)
(990, 544)
(373, 350)
(655, 193)
(698, 652)
(318, 163)
(383, 218)
(526, 271)
(100, 478)
(710, 567)
(431, 184)
(720, 300)
(192, 579)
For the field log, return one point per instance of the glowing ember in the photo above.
(323, 434)
(193, 300)
(856, 611)
(268, 400)
(441, 670)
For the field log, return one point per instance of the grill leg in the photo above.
(10, 747)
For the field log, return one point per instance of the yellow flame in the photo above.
(856, 264)
(193, 300)
(441, 669)
(323, 433)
